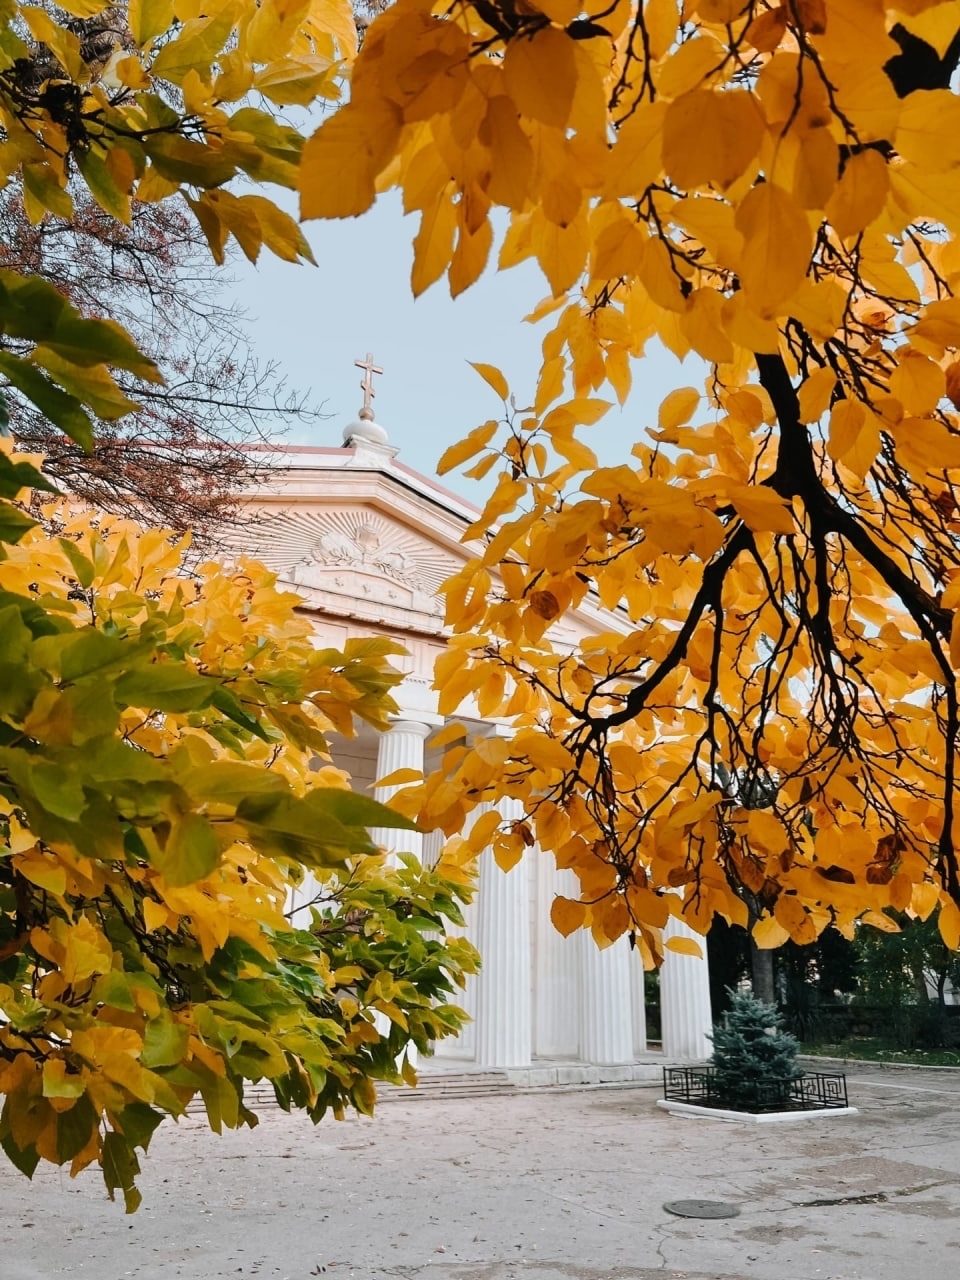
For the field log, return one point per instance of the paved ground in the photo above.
(525, 1186)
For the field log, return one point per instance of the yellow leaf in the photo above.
(702, 326)
(618, 250)
(814, 394)
(766, 30)
(281, 234)
(511, 155)
(925, 898)
(761, 509)
(562, 12)
(493, 378)
(769, 933)
(917, 382)
(341, 161)
(711, 137)
(790, 913)
(854, 436)
(949, 925)
(817, 168)
(400, 777)
(508, 848)
(154, 914)
(928, 132)
(678, 407)
(811, 15)
(561, 251)
(567, 915)
(433, 245)
(860, 194)
(689, 65)
(540, 75)
(149, 18)
(719, 12)
(636, 159)
(777, 249)
(659, 278)
(683, 946)
(470, 256)
(766, 831)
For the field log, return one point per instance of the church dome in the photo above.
(365, 430)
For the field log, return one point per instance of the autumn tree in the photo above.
(180, 457)
(165, 781)
(773, 189)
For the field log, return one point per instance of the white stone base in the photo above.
(541, 1075)
(753, 1117)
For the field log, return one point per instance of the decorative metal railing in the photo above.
(811, 1091)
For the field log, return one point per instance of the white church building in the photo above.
(367, 541)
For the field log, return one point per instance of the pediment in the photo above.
(356, 560)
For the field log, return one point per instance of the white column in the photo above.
(606, 1006)
(557, 985)
(685, 1019)
(400, 748)
(639, 1004)
(504, 1022)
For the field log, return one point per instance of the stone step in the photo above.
(433, 1083)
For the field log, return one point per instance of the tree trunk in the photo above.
(761, 973)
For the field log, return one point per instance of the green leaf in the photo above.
(32, 308)
(181, 160)
(75, 1128)
(59, 792)
(113, 989)
(231, 707)
(91, 650)
(15, 476)
(120, 1168)
(63, 410)
(137, 1122)
(165, 1041)
(102, 186)
(26, 1160)
(82, 565)
(288, 825)
(226, 782)
(354, 810)
(93, 385)
(168, 686)
(14, 523)
(191, 851)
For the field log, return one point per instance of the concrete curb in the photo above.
(753, 1117)
(867, 1064)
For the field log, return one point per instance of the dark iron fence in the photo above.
(811, 1091)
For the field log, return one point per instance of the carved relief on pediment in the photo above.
(356, 553)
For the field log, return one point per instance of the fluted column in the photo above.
(504, 1013)
(557, 982)
(606, 1006)
(685, 1018)
(400, 748)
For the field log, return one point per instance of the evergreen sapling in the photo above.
(754, 1059)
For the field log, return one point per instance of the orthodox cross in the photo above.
(369, 368)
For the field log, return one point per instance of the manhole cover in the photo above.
(701, 1209)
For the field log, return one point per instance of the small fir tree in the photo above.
(753, 1057)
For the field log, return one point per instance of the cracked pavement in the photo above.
(520, 1186)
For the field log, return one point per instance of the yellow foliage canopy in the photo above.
(775, 190)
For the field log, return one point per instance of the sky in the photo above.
(315, 321)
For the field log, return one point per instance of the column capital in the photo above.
(403, 724)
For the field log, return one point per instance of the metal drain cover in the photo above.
(701, 1209)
